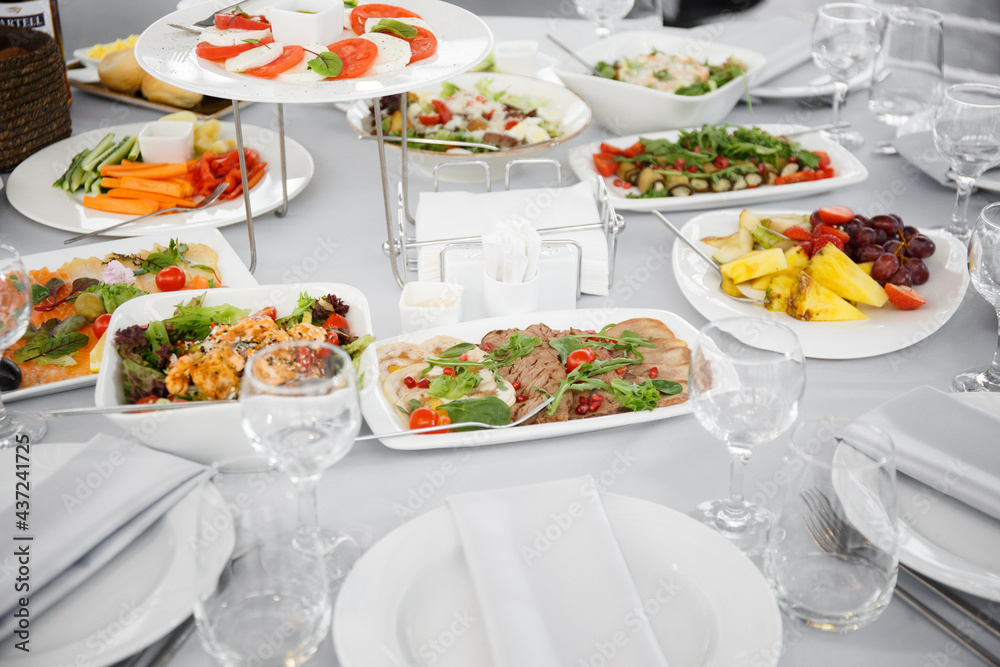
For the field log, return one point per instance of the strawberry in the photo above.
(835, 215)
(904, 297)
(797, 233)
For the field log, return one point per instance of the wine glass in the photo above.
(604, 12)
(967, 132)
(15, 313)
(747, 376)
(984, 266)
(845, 39)
(299, 401)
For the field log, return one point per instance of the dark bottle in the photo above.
(40, 15)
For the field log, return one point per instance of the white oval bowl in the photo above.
(574, 117)
(626, 108)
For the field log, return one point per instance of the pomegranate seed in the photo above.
(593, 407)
(653, 372)
(582, 409)
(583, 400)
(409, 382)
(793, 159)
(521, 398)
(693, 169)
(448, 371)
(626, 185)
(424, 384)
(515, 384)
(697, 149)
(597, 398)
(464, 357)
(488, 347)
(620, 371)
(617, 182)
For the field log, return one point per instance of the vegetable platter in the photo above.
(383, 417)
(847, 170)
(230, 268)
(32, 194)
(170, 54)
(211, 431)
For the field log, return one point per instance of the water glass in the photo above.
(909, 69)
(605, 13)
(984, 267)
(831, 553)
(967, 133)
(271, 605)
(845, 39)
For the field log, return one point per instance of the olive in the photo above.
(89, 305)
(10, 375)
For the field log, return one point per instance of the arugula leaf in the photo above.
(517, 346)
(69, 325)
(50, 289)
(327, 64)
(302, 307)
(196, 322)
(607, 70)
(356, 348)
(452, 387)
(563, 346)
(489, 410)
(456, 351)
(394, 27)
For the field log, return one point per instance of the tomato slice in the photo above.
(212, 52)
(797, 177)
(608, 149)
(429, 119)
(635, 149)
(424, 45)
(361, 14)
(443, 111)
(576, 358)
(824, 159)
(336, 321)
(357, 55)
(290, 57)
(239, 22)
(836, 215)
(605, 164)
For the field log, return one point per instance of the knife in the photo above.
(210, 20)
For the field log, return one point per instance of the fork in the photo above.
(442, 429)
(831, 534)
(173, 209)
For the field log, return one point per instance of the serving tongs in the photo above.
(747, 292)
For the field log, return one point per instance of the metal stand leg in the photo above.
(392, 242)
(404, 100)
(283, 209)
(246, 190)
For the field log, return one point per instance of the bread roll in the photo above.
(155, 90)
(120, 72)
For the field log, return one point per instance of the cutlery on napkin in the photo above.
(945, 444)
(918, 149)
(512, 251)
(87, 510)
(552, 584)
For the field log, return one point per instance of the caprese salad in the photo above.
(365, 40)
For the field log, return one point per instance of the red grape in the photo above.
(885, 267)
(880, 236)
(869, 253)
(864, 237)
(920, 246)
(891, 246)
(851, 227)
(901, 277)
(861, 220)
(919, 273)
(909, 231)
(887, 224)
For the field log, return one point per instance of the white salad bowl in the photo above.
(626, 108)
(573, 113)
(209, 434)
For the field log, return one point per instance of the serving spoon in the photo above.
(443, 429)
(574, 55)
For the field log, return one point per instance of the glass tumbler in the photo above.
(271, 605)
(831, 556)
(984, 268)
(909, 69)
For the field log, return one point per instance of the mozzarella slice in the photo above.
(301, 73)
(217, 37)
(256, 57)
(393, 53)
(408, 20)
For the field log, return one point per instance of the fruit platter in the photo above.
(850, 286)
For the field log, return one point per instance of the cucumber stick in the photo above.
(133, 153)
(63, 181)
(118, 153)
(84, 170)
(94, 157)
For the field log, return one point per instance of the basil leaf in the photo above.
(39, 293)
(563, 346)
(158, 261)
(251, 41)
(667, 387)
(456, 351)
(394, 27)
(490, 410)
(350, 3)
(414, 404)
(326, 64)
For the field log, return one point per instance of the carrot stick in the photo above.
(165, 171)
(123, 193)
(126, 206)
(125, 165)
(150, 185)
(108, 182)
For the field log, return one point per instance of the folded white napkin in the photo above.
(511, 251)
(550, 578)
(945, 444)
(443, 215)
(785, 42)
(918, 149)
(86, 511)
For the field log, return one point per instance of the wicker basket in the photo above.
(34, 100)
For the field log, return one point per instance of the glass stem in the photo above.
(7, 425)
(737, 472)
(962, 193)
(994, 370)
(308, 504)
(839, 99)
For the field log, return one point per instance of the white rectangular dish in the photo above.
(382, 418)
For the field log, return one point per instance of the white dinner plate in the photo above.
(849, 170)
(231, 269)
(400, 603)
(382, 417)
(142, 594)
(30, 189)
(168, 54)
(887, 328)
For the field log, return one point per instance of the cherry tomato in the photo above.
(146, 400)
(238, 22)
(356, 54)
(424, 45)
(101, 324)
(577, 357)
(212, 52)
(170, 279)
(422, 418)
(605, 164)
(291, 56)
(361, 14)
(336, 321)
(270, 312)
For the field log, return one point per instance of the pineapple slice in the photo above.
(810, 301)
(755, 264)
(866, 267)
(834, 270)
(778, 291)
(796, 259)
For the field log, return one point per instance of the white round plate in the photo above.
(142, 594)
(887, 328)
(414, 583)
(30, 188)
(849, 170)
(168, 54)
(574, 117)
